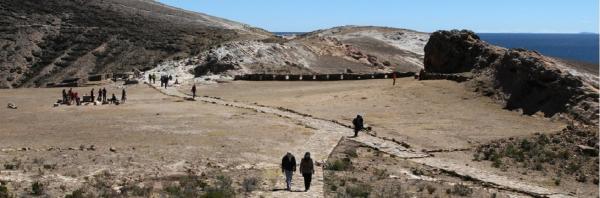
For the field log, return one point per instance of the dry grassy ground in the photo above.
(154, 136)
(428, 114)
(160, 141)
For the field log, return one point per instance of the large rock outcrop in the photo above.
(522, 79)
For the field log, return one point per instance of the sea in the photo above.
(577, 47)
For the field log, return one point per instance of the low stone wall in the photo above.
(437, 76)
(319, 77)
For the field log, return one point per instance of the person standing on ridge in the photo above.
(194, 91)
(288, 167)
(307, 169)
(358, 124)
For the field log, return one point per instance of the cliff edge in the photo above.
(521, 79)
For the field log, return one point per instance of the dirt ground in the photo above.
(153, 136)
(428, 114)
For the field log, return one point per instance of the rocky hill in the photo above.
(337, 50)
(523, 80)
(46, 41)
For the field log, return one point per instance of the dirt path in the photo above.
(328, 133)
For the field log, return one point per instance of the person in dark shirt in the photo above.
(288, 167)
(194, 91)
(307, 169)
(92, 95)
(123, 96)
(358, 124)
(104, 94)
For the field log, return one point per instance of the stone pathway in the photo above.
(327, 135)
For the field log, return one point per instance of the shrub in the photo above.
(79, 193)
(461, 190)
(525, 145)
(250, 183)
(338, 165)
(37, 188)
(496, 162)
(174, 190)
(4, 192)
(333, 188)
(417, 171)
(360, 190)
(557, 181)
(431, 189)
(351, 153)
(581, 178)
(221, 190)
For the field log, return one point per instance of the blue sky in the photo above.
(547, 16)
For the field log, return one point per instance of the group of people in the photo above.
(288, 167)
(164, 80)
(70, 96)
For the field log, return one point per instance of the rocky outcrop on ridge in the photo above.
(521, 79)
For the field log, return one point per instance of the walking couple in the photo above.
(288, 167)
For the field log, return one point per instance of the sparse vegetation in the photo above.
(37, 188)
(360, 190)
(250, 183)
(222, 189)
(187, 186)
(79, 193)
(431, 189)
(460, 190)
(559, 153)
(4, 193)
(339, 165)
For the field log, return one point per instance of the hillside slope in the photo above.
(47, 41)
(353, 49)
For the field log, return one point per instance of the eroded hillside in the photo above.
(51, 40)
(348, 49)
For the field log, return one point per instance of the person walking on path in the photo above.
(358, 124)
(394, 77)
(123, 96)
(194, 91)
(288, 167)
(307, 169)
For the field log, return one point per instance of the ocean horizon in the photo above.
(581, 47)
